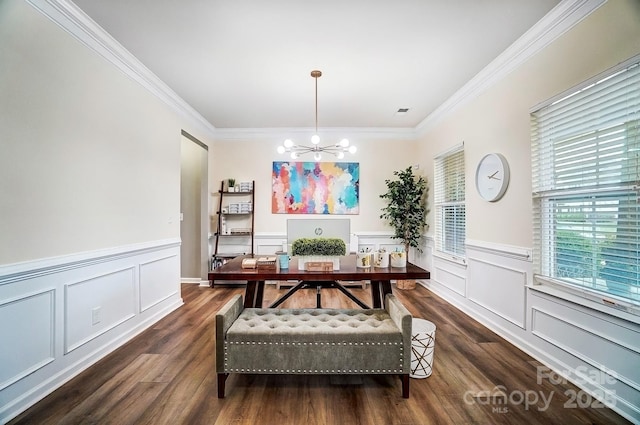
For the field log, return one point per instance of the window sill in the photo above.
(629, 313)
(450, 258)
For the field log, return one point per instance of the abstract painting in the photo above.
(315, 188)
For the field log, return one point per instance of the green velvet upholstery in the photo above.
(314, 341)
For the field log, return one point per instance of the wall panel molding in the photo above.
(54, 300)
(32, 335)
(567, 337)
(16, 272)
(503, 250)
(500, 289)
(113, 294)
(153, 285)
(555, 323)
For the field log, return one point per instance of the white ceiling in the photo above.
(245, 64)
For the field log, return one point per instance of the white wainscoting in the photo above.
(37, 349)
(598, 352)
(96, 305)
(499, 289)
(270, 243)
(59, 316)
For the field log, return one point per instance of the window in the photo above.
(586, 186)
(450, 204)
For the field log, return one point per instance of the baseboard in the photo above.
(190, 280)
(45, 388)
(81, 307)
(617, 404)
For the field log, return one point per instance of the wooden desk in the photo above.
(380, 278)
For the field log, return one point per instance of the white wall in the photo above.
(247, 160)
(89, 212)
(90, 159)
(496, 285)
(90, 181)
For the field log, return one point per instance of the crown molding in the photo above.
(561, 19)
(554, 24)
(73, 20)
(368, 133)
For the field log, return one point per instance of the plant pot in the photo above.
(363, 260)
(398, 259)
(406, 284)
(381, 259)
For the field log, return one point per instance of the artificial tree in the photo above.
(406, 209)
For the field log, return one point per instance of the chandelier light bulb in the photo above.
(336, 148)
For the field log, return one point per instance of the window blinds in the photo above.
(586, 178)
(449, 200)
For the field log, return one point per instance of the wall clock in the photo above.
(492, 177)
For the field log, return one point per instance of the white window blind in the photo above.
(449, 201)
(586, 178)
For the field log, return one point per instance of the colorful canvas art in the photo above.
(315, 188)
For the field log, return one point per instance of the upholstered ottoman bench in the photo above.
(313, 341)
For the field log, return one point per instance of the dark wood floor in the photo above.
(167, 375)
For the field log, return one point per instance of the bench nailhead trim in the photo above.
(321, 371)
(310, 343)
(327, 371)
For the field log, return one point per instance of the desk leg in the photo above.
(352, 297)
(250, 294)
(259, 294)
(375, 294)
(290, 292)
(386, 289)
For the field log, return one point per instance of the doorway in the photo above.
(194, 210)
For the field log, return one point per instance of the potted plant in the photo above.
(318, 249)
(406, 209)
(231, 184)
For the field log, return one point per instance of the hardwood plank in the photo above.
(167, 375)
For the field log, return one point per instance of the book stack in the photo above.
(249, 263)
(245, 207)
(240, 231)
(239, 208)
(234, 208)
(266, 263)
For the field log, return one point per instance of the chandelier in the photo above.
(337, 149)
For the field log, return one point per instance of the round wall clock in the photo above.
(492, 177)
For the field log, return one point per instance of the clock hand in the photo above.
(493, 176)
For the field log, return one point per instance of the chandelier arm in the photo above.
(337, 150)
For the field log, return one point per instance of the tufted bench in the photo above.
(313, 341)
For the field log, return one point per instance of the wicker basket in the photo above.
(406, 284)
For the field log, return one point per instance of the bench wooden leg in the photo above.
(222, 377)
(405, 385)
